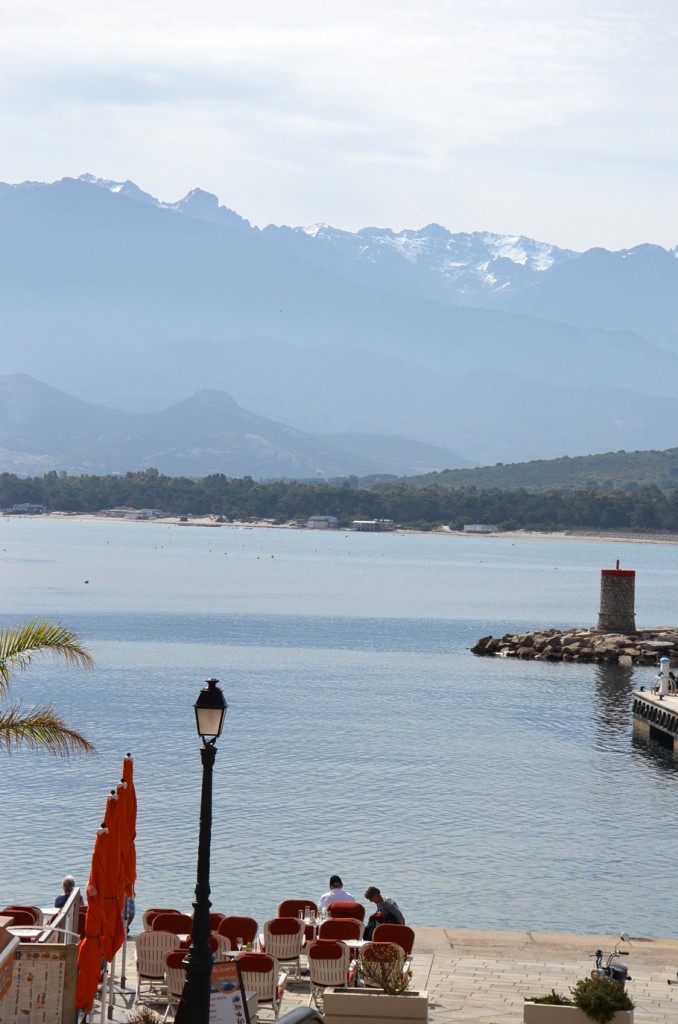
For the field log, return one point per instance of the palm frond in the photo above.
(40, 729)
(38, 637)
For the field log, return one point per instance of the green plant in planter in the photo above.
(384, 968)
(600, 998)
(553, 999)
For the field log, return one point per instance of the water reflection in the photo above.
(663, 760)
(612, 705)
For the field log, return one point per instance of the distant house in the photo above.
(322, 523)
(25, 509)
(373, 525)
(125, 512)
(479, 528)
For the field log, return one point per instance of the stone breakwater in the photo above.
(643, 647)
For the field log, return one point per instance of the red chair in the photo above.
(342, 908)
(292, 908)
(234, 928)
(25, 908)
(215, 921)
(213, 944)
(148, 915)
(175, 979)
(20, 918)
(261, 974)
(284, 939)
(340, 928)
(180, 924)
(401, 934)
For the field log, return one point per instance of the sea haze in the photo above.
(361, 737)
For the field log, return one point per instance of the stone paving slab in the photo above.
(478, 977)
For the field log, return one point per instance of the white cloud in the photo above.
(299, 111)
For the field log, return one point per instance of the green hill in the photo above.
(626, 471)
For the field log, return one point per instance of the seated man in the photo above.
(336, 892)
(68, 885)
(388, 911)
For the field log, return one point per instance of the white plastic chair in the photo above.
(175, 975)
(261, 974)
(284, 939)
(149, 954)
(223, 946)
(328, 964)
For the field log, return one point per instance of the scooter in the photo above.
(611, 968)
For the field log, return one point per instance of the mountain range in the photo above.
(377, 351)
(43, 429)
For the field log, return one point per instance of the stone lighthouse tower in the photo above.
(617, 600)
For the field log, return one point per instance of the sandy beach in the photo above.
(268, 524)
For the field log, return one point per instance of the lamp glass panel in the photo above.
(209, 720)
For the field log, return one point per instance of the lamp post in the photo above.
(210, 711)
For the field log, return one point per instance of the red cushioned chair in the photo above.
(328, 964)
(175, 979)
(340, 928)
(234, 928)
(20, 918)
(261, 973)
(292, 908)
(25, 908)
(148, 915)
(180, 924)
(284, 938)
(342, 908)
(212, 940)
(401, 934)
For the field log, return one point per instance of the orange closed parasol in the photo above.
(114, 933)
(112, 877)
(128, 827)
(90, 949)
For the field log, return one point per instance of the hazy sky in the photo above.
(557, 119)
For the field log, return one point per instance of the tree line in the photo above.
(243, 498)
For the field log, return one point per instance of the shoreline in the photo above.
(585, 536)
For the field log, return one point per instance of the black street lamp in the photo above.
(210, 711)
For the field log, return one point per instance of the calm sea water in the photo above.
(362, 737)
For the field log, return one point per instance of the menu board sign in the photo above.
(42, 990)
(227, 998)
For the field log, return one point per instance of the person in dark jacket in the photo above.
(387, 912)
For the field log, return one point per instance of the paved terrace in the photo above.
(482, 977)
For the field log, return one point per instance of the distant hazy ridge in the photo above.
(453, 349)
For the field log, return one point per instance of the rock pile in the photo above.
(644, 647)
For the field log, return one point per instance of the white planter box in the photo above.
(353, 1005)
(545, 1013)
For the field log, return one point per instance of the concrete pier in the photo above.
(656, 717)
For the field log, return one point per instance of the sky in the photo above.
(554, 119)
